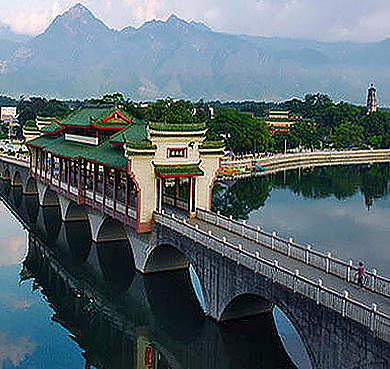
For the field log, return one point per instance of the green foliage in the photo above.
(347, 134)
(170, 111)
(306, 135)
(244, 196)
(241, 131)
(30, 108)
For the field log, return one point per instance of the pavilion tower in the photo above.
(371, 99)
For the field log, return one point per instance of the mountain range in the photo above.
(78, 56)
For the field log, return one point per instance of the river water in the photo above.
(57, 312)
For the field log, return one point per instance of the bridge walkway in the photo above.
(330, 281)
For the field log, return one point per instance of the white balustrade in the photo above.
(322, 261)
(378, 322)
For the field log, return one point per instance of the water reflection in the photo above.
(243, 196)
(153, 321)
(14, 350)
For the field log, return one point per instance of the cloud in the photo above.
(30, 21)
(13, 250)
(331, 20)
(16, 303)
(15, 350)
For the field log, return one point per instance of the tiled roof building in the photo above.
(103, 157)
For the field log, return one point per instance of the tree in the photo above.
(241, 131)
(306, 135)
(347, 134)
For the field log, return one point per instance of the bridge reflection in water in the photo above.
(329, 336)
(123, 319)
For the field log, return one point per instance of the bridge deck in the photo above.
(331, 281)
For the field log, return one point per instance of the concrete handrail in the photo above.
(275, 163)
(370, 317)
(322, 261)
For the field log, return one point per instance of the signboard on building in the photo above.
(8, 113)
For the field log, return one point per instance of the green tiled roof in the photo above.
(95, 116)
(178, 127)
(185, 170)
(212, 145)
(52, 128)
(31, 125)
(46, 119)
(104, 154)
(82, 117)
(136, 132)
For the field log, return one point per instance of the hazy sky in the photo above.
(326, 20)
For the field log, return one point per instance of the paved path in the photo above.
(333, 282)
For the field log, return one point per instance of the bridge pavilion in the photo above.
(104, 158)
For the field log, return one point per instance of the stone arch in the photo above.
(48, 222)
(246, 305)
(116, 263)
(79, 239)
(110, 230)
(75, 212)
(169, 257)
(32, 207)
(16, 179)
(165, 257)
(16, 196)
(7, 174)
(50, 198)
(31, 187)
(114, 252)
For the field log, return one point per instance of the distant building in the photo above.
(281, 120)
(371, 99)
(280, 114)
(8, 114)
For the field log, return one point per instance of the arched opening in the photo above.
(117, 264)
(16, 196)
(79, 238)
(5, 187)
(164, 258)
(246, 305)
(115, 255)
(52, 221)
(174, 304)
(32, 207)
(111, 230)
(31, 187)
(253, 342)
(7, 175)
(50, 198)
(17, 180)
(291, 339)
(76, 213)
(174, 291)
(247, 311)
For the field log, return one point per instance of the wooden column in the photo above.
(104, 185)
(193, 195)
(94, 181)
(36, 160)
(68, 165)
(177, 188)
(79, 172)
(40, 163)
(115, 189)
(84, 181)
(51, 168)
(60, 174)
(127, 193)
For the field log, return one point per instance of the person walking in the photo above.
(360, 273)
